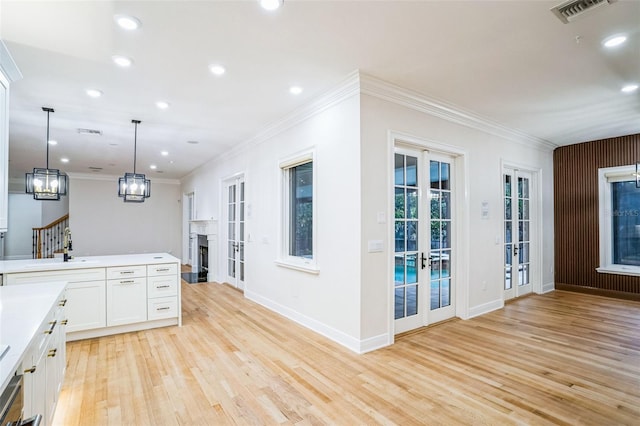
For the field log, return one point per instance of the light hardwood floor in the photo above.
(559, 358)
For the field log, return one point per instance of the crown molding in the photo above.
(8, 65)
(375, 87)
(90, 176)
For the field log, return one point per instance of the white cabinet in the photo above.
(162, 291)
(86, 307)
(44, 366)
(126, 297)
(8, 73)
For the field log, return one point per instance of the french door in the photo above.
(518, 228)
(235, 231)
(423, 229)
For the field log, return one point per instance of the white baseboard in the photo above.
(547, 287)
(350, 342)
(485, 308)
(18, 257)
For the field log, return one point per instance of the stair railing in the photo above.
(49, 239)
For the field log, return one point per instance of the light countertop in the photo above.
(32, 265)
(23, 310)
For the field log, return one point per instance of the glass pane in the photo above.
(525, 253)
(241, 191)
(507, 186)
(507, 278)
(231, 251)
(507, 232)
(525, 210)
(412, 300)
(242, 271)
(412, 270)
(400, 246)
(444, 176)
(434, 175)
(524, 275)
(445, 205)
(508, 250)
(242, 211)
(445, 293)
(435, 204)
(301, 211)
(232, 231)
(241, 231)
(232, 212)
(399, 270)
(231, 268)
(435, 234)
(242, 252)
(525, 188)
(446, 264)
(446, 234)
(412, 171)
(412, 203)
(412, 235)
(520, 194)
(435, 294)
(399, 302)
(507, 208)
(399, 169)
(435, 265)
(399, 203)
(625, 229)
(524, 229)
(232, 194)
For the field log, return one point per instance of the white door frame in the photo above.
(461, 217)
(535, 231)
(236, 178)
(186, 227)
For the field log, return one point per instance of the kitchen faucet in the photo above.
(67, 244)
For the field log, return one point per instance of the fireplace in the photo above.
(204, 243)
(203, 258)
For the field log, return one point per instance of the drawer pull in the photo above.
(162, 269)
(165, 308)
(30, 370)
(50, 330)
(52, 353)
(64, 322)
(126, 272)
(127, 281)
(63, 302)
(163, 286)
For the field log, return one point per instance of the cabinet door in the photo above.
(126, 301)
(35, 379)
(86, 305)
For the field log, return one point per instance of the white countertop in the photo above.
(23, 309)
(32, 265)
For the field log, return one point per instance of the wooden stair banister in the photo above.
(48, 239)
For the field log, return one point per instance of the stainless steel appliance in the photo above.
(12, 403)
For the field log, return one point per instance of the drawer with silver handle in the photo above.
(134, 271)
(162, 269)
(162, 286)
(162, 307)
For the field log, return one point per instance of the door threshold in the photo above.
(424, 327)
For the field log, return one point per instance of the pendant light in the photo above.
(134, 187)
(46, 184)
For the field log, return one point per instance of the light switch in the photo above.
(375, 246)
(382, 217)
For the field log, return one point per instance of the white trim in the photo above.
(126, 328)
(88, 176)
(331, 333)
(298, 266)
(438, 108)
(606, 176)
(485, 308)
(548, 287)
(8, 66)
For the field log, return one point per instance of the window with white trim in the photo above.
(619, 200)
(299, 230)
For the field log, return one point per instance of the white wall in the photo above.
(327, 302)
(53, 210)
(102, 224)
(25, 213)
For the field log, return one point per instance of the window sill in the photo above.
(309, 268)
(620, 270)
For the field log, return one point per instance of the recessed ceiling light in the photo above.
(94, 93)
(153, 167)
(629, 88)
(164, 153)
(217, 69)
(193, 142)
(614, 41)
(295, 90)
(52, 142)
(64, 160)
(127, 22)
(271, 4)
(122, 61)
(162, 104)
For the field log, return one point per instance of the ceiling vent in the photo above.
(570, 10)
(90, 132)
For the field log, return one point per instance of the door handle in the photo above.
(515, 249)
(422, 261)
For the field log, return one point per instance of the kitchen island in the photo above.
(32, 332)
(108, 294)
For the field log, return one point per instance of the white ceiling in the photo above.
(512, 62)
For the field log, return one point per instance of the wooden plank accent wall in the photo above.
(576, 210)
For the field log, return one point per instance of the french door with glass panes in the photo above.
(518, 205)
(423, 229)
(235, 231)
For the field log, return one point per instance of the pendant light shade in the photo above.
(134, 187)
(46, 184)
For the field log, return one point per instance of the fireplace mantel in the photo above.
(210, 229)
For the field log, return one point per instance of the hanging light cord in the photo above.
(48, 112)
(135, 144)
